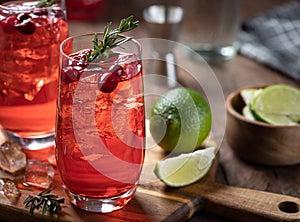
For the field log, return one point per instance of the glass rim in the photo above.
(6, 6)
(137, 43)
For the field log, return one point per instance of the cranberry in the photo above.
(8, 25)
(23, 16)
(117, 70)
(40, 13)
(74, 62)
(108, 82)
(70, 74)
(26, 27)
(59, 13)
(82, 55)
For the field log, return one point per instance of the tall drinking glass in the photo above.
(30, 36)
(100, 131)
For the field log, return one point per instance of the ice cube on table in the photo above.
(3, 136)
(10, 189)
(38, 174)
(12, 158)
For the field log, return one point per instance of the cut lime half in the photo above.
(186, 168)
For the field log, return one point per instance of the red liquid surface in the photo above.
(100, 137)
(29, 72)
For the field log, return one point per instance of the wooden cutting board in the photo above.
(154, 201)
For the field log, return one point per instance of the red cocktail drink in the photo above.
(100, 134)
(29, 52)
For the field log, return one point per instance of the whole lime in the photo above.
(180, 120)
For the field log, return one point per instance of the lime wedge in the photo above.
(274, 119)
(249, 94)
(278, 99)
(295, 118)
(277, 104)
(186, 168)
(248, 113)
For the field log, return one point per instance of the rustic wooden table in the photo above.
(234, 74)
(237, 73)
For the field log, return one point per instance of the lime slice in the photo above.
(274, 119)
(248, 113)
(295, 118)
(249, 94)
(278, 99)
(186, 168)
(277, 105)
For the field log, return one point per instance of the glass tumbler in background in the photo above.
(100, 131)
(29, 53)
(85, 9)
(211, 28)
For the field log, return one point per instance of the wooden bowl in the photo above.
(259, 142)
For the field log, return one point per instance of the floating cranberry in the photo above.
(70, 62)
(70, 74)
(26, 27)
(108, 82)
(65, 62)
(59, 13)
(74, 62)
(8, 25)
(23, 16)
(41, 13)
(117, 70)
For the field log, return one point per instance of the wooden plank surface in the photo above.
(152, 202)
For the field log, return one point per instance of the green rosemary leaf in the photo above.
(46, 200)
(32, 207)
(46, 3)
(111, 39)
(106, 30)
(122, 41)
(27, 200)
(44, 192)
(44, 208)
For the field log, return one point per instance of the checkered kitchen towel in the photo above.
(274, 39)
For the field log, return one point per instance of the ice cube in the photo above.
(38, 174)
(126, 58)
(10, 189)
(12, 158)
(51, 156)
(3, 136)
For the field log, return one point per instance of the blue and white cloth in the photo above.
(274, 39)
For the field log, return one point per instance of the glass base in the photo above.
(214, 54)
(33, 142)
(104, 205)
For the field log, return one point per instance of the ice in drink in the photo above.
(100, 136)
(29, 53)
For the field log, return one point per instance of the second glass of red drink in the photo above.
(30, 35)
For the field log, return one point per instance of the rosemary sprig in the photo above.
(111, 39)
(46, 3)
(46, 200)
